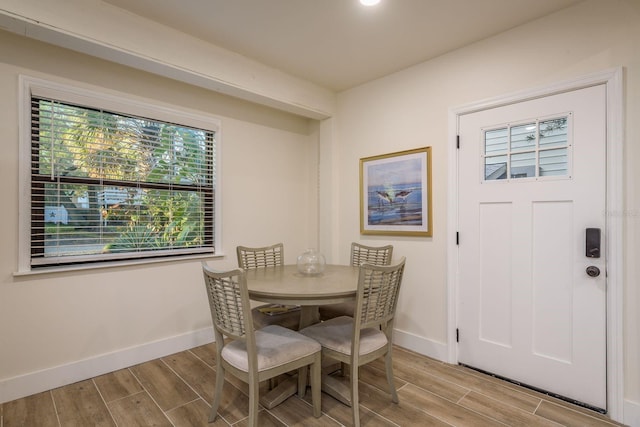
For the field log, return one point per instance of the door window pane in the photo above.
(523, 136)
(553, 133)
(553, 162)
(495, 168)
(523, 165)
(495, 141)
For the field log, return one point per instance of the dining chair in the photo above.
(366, 336)
(255, 355)
(377, 255)
(268, 256)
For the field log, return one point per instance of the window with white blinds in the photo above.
(111, 186)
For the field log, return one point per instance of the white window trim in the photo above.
(109, 100)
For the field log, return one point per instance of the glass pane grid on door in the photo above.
(534, 149)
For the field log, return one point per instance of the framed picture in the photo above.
(395, 193)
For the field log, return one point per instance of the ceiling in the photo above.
(339, 44)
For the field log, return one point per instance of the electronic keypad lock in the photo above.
(592, 243)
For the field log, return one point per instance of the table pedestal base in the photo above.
(285, 389)
(337, 388)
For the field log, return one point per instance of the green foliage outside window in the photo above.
(103, 182)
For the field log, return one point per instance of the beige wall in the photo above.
(59, 327)
(410, 109)
(48, 321)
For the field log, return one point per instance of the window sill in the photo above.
(114, 264)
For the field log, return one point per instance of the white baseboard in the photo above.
(58, 376)
(421, 345)
(631, 413)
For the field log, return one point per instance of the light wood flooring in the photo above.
(177, 390)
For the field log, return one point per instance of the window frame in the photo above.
(536, 149)
(117, 102)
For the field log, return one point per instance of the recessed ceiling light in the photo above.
(369, 2)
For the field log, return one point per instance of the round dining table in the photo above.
(286, 285)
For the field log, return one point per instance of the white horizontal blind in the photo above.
(112, 186)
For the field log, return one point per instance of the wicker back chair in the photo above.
(376, 255)
(252, 355)
(268, 256)
(358, 340)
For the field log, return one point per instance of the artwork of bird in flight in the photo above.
(384, 196)
(402, 195)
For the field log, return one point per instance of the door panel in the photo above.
(495, 264)
(532, 179)
(552, 277)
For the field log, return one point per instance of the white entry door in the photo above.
(532, 180)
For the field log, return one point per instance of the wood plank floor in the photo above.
(177, 390)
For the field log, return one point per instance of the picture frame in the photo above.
(395, 194)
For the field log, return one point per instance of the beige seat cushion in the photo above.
(276, 346)
(335, 334)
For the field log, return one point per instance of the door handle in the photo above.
(592, 243)
(593, 271)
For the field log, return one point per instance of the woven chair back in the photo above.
(228, 299)
(377, 255)
(378, 290)
(267, 256)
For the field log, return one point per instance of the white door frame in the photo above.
(613, 79)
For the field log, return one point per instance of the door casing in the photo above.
(613, 80)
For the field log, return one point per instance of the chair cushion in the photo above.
(335, 334)
(275, 346)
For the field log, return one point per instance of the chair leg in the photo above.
(355, 402)
(302, 381)
(388, 362)
(253, 403)
(316, 381)
(218, 396)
